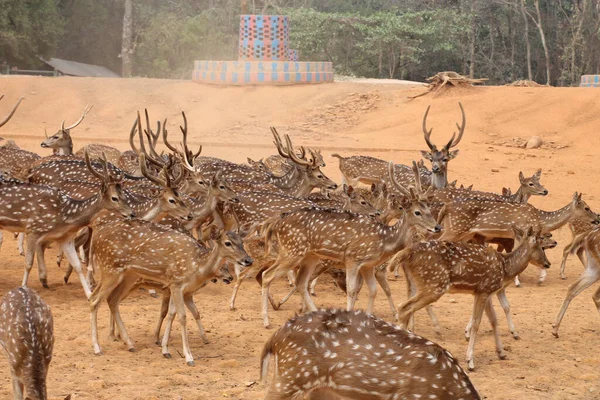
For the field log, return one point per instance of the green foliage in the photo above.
(406, 39)
(28, 30)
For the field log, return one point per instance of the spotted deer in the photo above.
(587, 246)
(27, 337)
(577, 227)
(440, 158)
(125, 251)
(61, 142)
(334, 354)
(46, 215)
(464, 220)
(304, 237)
(434, 268)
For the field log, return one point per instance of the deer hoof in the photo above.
(158, 343)
(167, 355)
(555, 332)
(132, 350)
(45, 283)
(205, 341)
(232, 308)
(516, 336)
(502, 356)
(268, 326)
(471, 365)
(191, 363)
(99, 353)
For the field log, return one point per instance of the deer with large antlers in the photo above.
(47, 214)
(440, 158)
(27, 337)
(434, 268)
(334, 354)
(125, 251)
(304, 237)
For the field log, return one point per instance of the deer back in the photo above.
(27, 336)
(359, 356)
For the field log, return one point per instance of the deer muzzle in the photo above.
(246, 262)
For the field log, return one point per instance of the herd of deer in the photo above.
(176, 221)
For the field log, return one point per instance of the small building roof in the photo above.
(74, 68)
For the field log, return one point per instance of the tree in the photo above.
(29, 30)
(127, 44)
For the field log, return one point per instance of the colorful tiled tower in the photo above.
(264, 57)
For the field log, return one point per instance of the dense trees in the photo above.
(550, 41)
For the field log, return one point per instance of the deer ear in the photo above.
(537, 175)
(350, 191)
(452, 154)
(530, 231)
(426, 155)
(505, 192)
(250, 161)
(215, 233)
(521, 177)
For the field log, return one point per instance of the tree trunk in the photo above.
(472, 42)
(527, 44)
(127, 43)
(540, 27)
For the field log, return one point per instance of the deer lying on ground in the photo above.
(26, 335)
(440, 158)
(434, 268)
(354, 355)
(304, 237)
(125, 251)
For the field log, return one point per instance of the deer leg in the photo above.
(164, 309)
(18, 386)
(291, 278)
(352, 285)
(189, 302)
(491, 314)
(414, 304)
(20, 243)
(1, 238)
(177, 300)
(284, 299)
(240, 276)
(478, 307)
(279, 268)
(32, 243)
(114, 299)
(41, 262)
(587, 279)
(68, 273)
(304, 274)
(381, 276)
(506, 307)
(313, 285)
(563, 262)
(59, 258)
(542, 276)
(104, 288)
(517, 281)
(596, 298)
(69, 250)
(368, 275)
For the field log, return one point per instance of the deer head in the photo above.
(531, 186)
(259, 165)
(111, 187)
(538, 242)
(440, 158)
(61, 141)
(230, 246)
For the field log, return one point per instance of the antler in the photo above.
(398, 186)
(92, 170)
(461, 129)
(427, 133)
(151, 136)
(12, 112)
(186, 154)
(148, 176)
(278, 143)
(425, 195)
(132, 135)
(85, 111)
(293, 156)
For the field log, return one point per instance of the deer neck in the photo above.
(516, 262)
(149, 210)
(81, 212)
(521, 196)
(208, 207)
(291, 180)
(398, 236)
(439, 181)
(66, 150)
(552, 220)
(209, 264)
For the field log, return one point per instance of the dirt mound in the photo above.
(346, 118)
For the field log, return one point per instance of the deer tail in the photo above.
(265, 357)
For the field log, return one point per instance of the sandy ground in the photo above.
(348, 118)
